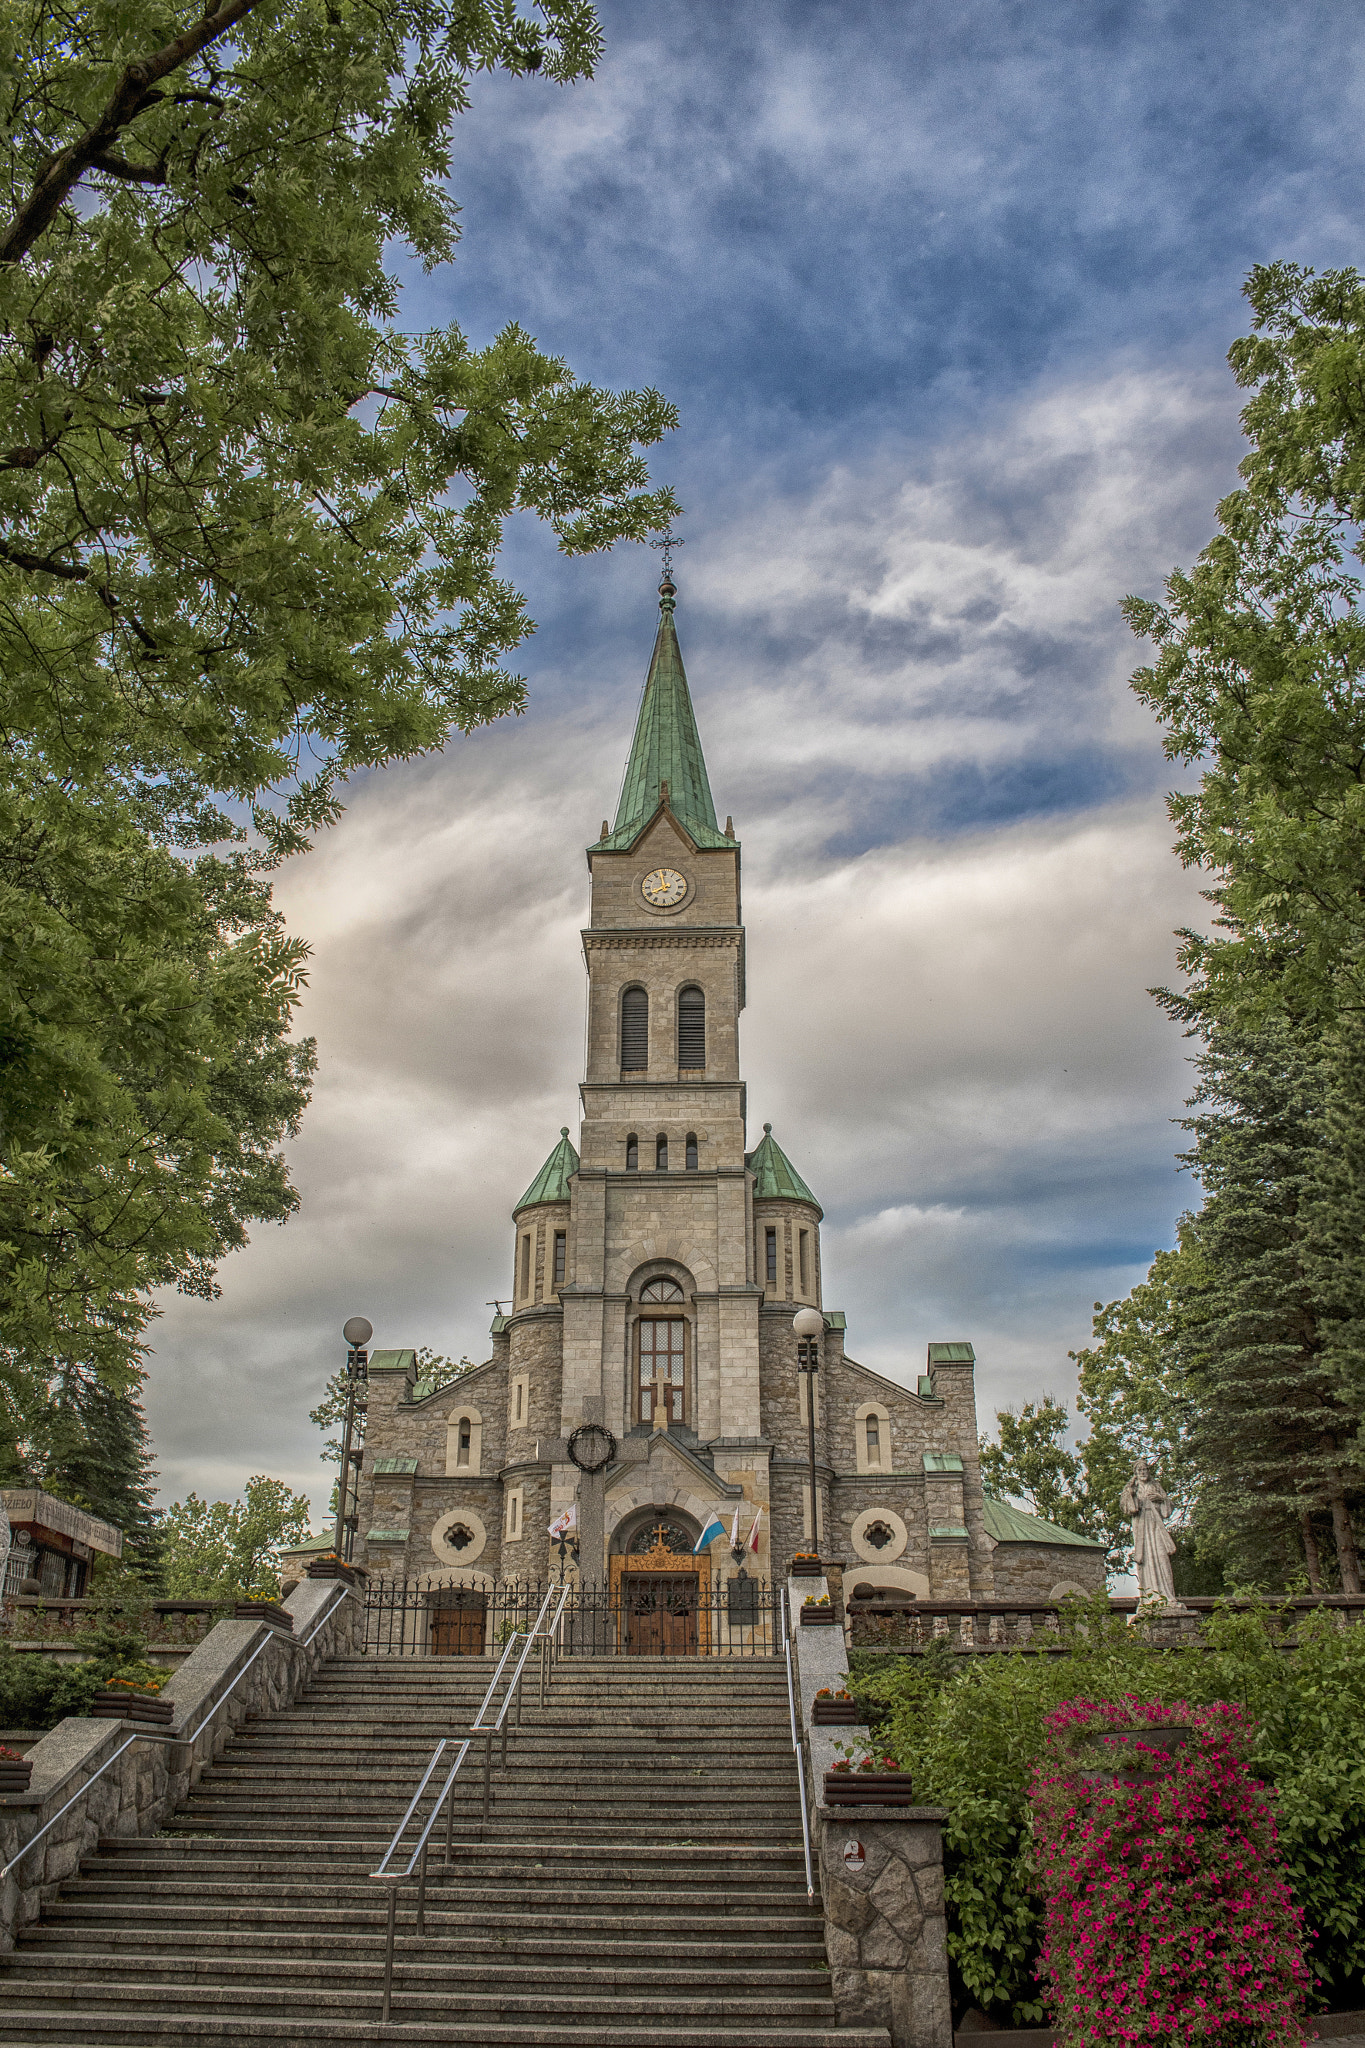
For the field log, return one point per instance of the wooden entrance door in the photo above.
(457, 1622)
(661, 1614)
(662, 1601)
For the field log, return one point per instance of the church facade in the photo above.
(656, 1270)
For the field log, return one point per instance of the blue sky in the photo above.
(943, 296)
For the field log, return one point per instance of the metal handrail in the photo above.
(159, 1735)
(797, 1743)
(548, 1638)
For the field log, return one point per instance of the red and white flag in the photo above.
(753, 1533)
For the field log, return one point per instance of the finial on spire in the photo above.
(668, 543)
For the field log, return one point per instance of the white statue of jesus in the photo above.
(1145, 1501)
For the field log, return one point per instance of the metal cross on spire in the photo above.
(668, 543)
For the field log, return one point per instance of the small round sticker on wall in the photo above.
(854, 1859)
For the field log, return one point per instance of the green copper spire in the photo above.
(666, 751)
(774, 1174)
(551, 1184)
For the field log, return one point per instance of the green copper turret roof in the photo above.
(551, 1184)
(774, 1174)
(666, 750)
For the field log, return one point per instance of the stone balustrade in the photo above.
(974, 1627)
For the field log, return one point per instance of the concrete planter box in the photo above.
(868, 1788)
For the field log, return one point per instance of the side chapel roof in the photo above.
(1012, 1525)
(666, 750)
(551, 1184)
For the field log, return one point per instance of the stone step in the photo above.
(494, 1980)
(699, 1862)
(259, 1935)
(464, 1904)
(161, 1996)
(76, 2029)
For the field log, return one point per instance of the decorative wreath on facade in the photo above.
(592, 1447)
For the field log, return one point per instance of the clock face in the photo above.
(663, 888)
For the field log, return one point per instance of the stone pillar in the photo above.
(592, 1504)
(881, 1882)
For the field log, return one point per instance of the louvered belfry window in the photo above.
(634, 1031)
(691, 1028)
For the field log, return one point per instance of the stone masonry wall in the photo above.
(240, 1668)
(1033, 1571)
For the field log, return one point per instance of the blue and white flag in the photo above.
(714, 1527)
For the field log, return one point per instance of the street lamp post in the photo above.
(809, 1325)
(357, 1333)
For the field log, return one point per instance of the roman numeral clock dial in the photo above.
(663, 888)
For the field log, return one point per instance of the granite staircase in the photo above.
(640, 1883)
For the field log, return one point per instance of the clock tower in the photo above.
(662, 1203)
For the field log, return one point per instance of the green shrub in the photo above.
(38, 1691)
(970, 1732)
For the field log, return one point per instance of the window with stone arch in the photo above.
(464, 1441)
(634, 1030)
(661, 1354)
(872, 1437)
(691, 1029)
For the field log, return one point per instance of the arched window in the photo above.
(661, 1290)
(634, 1031)
(661, 1153)
(691, 1151)
(691, 1028)
(632, 1154)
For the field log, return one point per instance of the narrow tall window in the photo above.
(874, 1442)
(634, 1031)
(632, 1154)
(691, 1151)
(691, 1028)
(466, 1439)
(525, 1266)
(519, 1393)
(801, 1247)
(561, 1255)
(771, 1236)
(661, 1154)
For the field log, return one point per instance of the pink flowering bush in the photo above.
(1168, 1919)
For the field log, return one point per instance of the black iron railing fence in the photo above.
(645, 1614)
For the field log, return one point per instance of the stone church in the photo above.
(656, 1269)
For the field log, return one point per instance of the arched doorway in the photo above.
(660, 1588)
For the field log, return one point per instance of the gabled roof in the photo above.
(551, 1184)
(666, 765)
(774, 1174)
(1012, 1525)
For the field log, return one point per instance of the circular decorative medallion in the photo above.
(663, 888)
(592, 1447)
